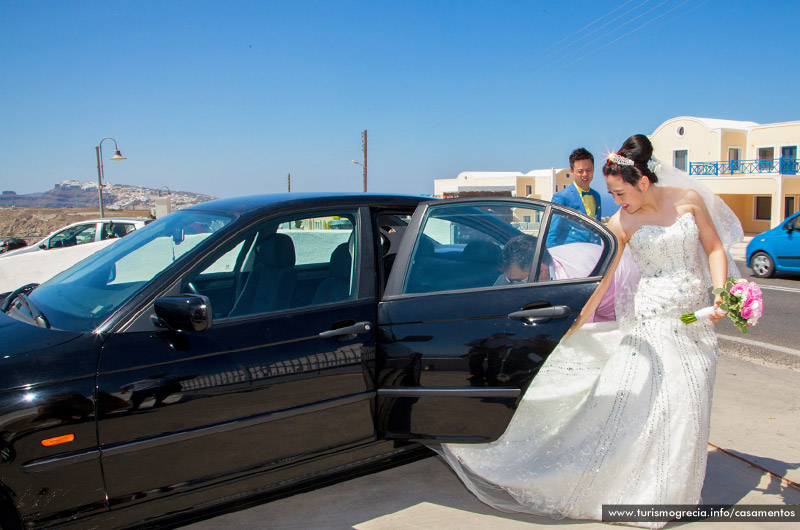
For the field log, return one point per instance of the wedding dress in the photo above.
(617, 415)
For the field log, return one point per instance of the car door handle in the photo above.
(540, 315)
(356, 329)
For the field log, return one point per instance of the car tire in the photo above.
(762, 265)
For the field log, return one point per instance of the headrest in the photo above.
(482, 252)
(425, 247)
(277, 250)
(340, 262)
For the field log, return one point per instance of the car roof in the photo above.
(96, 220)
(262, 203)
(112, 219)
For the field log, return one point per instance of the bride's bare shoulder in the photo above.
(685, 196)
(623, 226)
(687, 200)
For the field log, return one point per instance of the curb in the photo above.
(785, 481)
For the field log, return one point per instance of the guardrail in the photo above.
(784, 166)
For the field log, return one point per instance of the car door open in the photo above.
(461, 331)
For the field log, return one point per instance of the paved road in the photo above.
(776, 339)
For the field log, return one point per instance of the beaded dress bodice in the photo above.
(669, 264)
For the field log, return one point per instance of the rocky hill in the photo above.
(31, 224)
(34, 215)
(75, 194)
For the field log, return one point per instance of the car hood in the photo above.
(23, 250)
(30, 354)
(760, 239)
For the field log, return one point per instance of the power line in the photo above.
(562, 53)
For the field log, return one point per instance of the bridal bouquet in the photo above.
(741, 300)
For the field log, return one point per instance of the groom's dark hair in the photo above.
(580, 154)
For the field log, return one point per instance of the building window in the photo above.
(680, 131)
(680, 159)
(788, 160)
(528, 190)
(766, 157)
(734, 155)
(788, 207)
(763, 208)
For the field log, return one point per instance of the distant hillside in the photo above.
(75, 194)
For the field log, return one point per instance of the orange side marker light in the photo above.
(49, 442)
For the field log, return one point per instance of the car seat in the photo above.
(337, 286)
(483, 264)
(119, 230)
(272, 280)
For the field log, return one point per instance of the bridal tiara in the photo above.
(620, 160)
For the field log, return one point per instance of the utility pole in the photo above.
(365, 160)
(290, 182)
(363, 164)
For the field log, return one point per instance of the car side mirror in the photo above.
(183, 312)
(43, 246)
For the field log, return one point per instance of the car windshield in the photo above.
(83, 296)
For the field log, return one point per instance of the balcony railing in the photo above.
(784, 166)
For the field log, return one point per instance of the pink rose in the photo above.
(737, 289)
(757, 308)
(755, 291)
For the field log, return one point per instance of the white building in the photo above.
(752, 167)
(536, 184)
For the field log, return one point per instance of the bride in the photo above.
(619, 414)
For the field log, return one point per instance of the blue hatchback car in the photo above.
(777, 249)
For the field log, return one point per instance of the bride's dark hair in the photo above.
(638, 149)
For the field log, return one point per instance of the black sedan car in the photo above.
(247, 346)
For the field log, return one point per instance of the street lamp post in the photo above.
(99, 151)
(356, 162)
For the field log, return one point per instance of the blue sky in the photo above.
(227, 98)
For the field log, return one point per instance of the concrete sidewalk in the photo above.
(754, 459)
(739, 249)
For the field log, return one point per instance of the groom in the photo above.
(579, 196)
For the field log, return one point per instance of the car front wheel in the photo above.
(762, 265)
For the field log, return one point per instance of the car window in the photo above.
(316, 238)
(282, 264)
(460, 246)
(73, 235)
(574, 247)
(83, 296)
(113, 230)
(474, 245)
